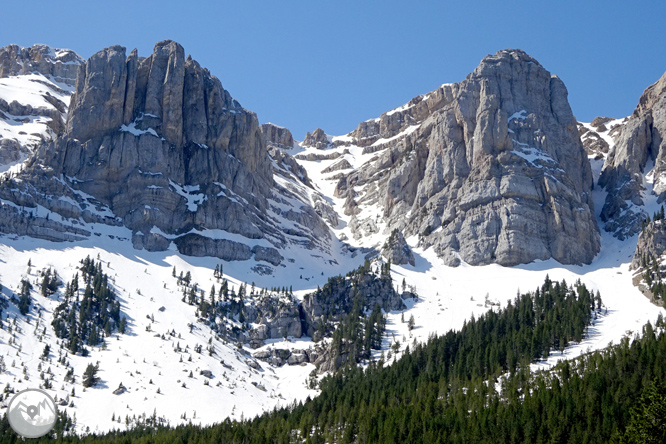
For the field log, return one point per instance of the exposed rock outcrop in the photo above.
(315, 156)
(337, 166)
(648, 262)
(60, 65)
(277, 136)
(326, 306)
(397, 250)
(318, 139)
(651, 244)
(487, 170)
(639, 146)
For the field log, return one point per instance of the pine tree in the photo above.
(411, 323)
(90, 375)
(24, 297)
(648, 418)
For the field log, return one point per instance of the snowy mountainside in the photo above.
(251, 373)
(33, 109)
(35, 87)
(153, 360)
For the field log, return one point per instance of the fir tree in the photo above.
(90, 375)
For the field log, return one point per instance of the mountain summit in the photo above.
(490, 169)
(157, 145)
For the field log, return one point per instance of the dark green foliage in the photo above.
(24, 300)
(653, 275)
(648, 417)
(50, 282)
(345, 302)
(90, 375)
(443, 391)
(87, 318)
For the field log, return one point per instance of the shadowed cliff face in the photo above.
(490, 169)
(641, 142)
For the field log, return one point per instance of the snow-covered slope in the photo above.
(146, 360)
(450, 295)
(152, 359)
(33, 108)
(144, 282)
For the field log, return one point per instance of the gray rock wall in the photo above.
(277, 136)
(159, 143)
(59, 64)
(495, 171)
(640, 142)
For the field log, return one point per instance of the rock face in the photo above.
(648, 261)
(396, 249)
(60, 65)
(277, 136)
(163, 149)
(595, 135)
(639, 146)
(651, 244)
(318, 139)
(341, 165)
(487, 170)
(45, 77)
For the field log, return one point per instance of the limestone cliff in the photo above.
(157, 145)
(490, 169)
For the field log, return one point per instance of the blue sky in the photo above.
(309, 64)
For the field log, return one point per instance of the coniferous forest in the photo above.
(469, 386)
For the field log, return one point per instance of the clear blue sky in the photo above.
(333, 64)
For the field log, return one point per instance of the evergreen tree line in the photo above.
(88, 318)
(463, 387)
(658, 215)
(653, 276)
(227, 302)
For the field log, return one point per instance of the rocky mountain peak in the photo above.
(505, 55)
(318, 139)
(652, 95)
(490, 169)
(157, 145)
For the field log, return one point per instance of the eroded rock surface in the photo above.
(639, 148)
(160, 147)
(490, 169)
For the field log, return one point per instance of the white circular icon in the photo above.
(32, 413)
